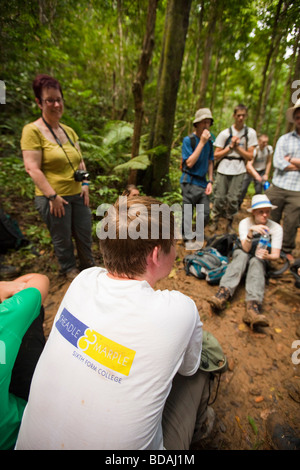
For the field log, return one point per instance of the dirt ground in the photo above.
(262, 383)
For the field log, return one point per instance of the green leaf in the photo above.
(141, 162)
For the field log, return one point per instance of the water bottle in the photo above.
(262, 244)
(266, 185)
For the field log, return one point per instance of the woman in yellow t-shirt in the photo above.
(53, 159)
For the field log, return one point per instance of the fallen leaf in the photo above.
(259, 399)
(242, 327)
(277, 330)
(173, 273)
(253, 425)
(265, 413)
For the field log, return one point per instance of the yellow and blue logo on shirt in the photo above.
(110, 354)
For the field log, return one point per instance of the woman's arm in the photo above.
(39, 281)
(33, 164)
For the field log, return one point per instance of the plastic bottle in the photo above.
(266, 185)
(262, 244)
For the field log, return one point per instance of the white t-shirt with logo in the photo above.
(107, 368)
(236, 166)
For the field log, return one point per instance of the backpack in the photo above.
(230, 137)
(11, 236)
(294, 270)
(206, 264)
(224, 244)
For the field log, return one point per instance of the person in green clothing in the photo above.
(21, 302)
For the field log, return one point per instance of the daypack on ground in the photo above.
(206, 264)
(224, 244)
(11, 236)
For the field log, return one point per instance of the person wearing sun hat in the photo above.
(244, 260)
(197, 165)
(285, 188)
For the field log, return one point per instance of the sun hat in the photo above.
(259, 201)
(203, 113)
(212, 357)
(290, 111)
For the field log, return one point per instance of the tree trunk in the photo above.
(267, 62)
(208, 48)
(139, 82)
(176, 26)
(268, 85)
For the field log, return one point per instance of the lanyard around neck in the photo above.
(59, 142)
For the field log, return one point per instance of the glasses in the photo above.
(51, 101)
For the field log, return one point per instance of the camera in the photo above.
(80, 175)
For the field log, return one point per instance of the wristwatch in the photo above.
(52, 197)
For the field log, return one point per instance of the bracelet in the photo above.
(85, 184)
(249, 239)
(210, 181)
(290, 158)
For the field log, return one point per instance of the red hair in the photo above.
(42, 81)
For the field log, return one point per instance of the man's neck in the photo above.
(238, 127)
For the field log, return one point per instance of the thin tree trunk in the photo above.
(263, 107)
(267, 62)
(208, 48)
(139, 82)
(174, 43)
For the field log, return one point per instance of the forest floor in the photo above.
(262, 385)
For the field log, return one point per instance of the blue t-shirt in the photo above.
(197, 174)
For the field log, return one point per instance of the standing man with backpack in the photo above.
(234, 148)
(197, 162)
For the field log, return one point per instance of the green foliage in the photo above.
(93, 48)
(14, 180)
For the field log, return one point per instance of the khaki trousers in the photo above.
(185, 409)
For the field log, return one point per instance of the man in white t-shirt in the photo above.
(247, 259)
(234, 148)
(116, 347)
(258, 169)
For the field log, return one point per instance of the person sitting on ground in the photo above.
(118, 347)
(245, 260)
(21, 302)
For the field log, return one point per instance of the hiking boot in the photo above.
(253, 317)
(8, 272)
(218, 301)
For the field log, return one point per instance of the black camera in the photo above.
(80, 175)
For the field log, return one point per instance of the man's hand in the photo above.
(205, 136)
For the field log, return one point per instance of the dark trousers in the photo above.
(257, 185)
(32, 345)
(288, 208)
(193, 195)
(75, 223)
